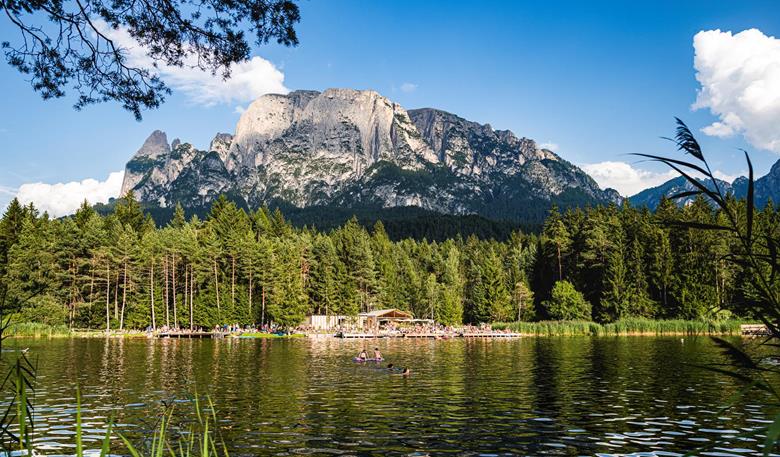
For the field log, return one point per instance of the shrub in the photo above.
(566, 303)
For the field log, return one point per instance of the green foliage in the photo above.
(566, 303)
(45, 310)
(119, 271)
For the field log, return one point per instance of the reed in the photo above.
(623, 327)
(198, 437)
(36, 330)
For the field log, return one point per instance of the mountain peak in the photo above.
(352, 148)
(155, 145)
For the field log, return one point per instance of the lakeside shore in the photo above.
(625, 327)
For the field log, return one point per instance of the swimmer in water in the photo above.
(377, 354)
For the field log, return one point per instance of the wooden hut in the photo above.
(373, 319)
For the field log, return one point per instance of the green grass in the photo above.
(632, 326)
(268, 335)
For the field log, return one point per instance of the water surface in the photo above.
(559, 396)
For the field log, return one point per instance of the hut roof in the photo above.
(388, 313)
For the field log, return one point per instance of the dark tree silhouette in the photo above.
(64, 44)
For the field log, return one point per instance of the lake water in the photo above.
(530, 396)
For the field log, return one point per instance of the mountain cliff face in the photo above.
(766, 188)
(358, 149)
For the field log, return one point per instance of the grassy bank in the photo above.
(624, 327)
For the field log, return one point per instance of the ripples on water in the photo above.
(564, 396)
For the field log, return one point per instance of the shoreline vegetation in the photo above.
(623, 327)
(614, 265)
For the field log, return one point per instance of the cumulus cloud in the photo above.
(62, 199)
(248, 79)
(408, 87)
(740, 83)
(550, 146)
(624, 177)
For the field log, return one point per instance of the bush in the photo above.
(566, 303)
(44, 310)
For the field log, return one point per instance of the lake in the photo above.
(530, 396)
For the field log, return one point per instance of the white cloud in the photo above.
(740, 83)
(248, 79)
(62, 199)
(239, 109)
(624, 177)
(550, 146)
(729, 178)
(408, 87)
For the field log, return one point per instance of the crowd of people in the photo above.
(430, 329)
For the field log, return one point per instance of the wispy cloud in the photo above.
(740, 83)
(550, 146)
(5, 190)
(408, 87)
(61, 199)
(249, 79)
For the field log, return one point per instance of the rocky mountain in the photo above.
(352, 148)
(766, 188)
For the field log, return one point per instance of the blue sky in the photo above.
(597, 79)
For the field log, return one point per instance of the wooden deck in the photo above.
(190, 335)
(754, 330)
(426, 335)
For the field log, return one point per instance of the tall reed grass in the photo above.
(633, 326)
(34, 329)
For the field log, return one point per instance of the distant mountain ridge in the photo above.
(766, 188)
(353, 148)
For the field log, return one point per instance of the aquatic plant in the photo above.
(36, 330)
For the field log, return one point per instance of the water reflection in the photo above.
(564, 396)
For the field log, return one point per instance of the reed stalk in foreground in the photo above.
(757, 255)
(200, 438)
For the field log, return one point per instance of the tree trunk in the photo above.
(186, 284)
(262, 311)
(250, 293)
(108, 296)
(124, 299)
(116, 297)
(165, 272)
(216, 286)
(151, 293)
(192, 308)
(91, 281)
(173, 285)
